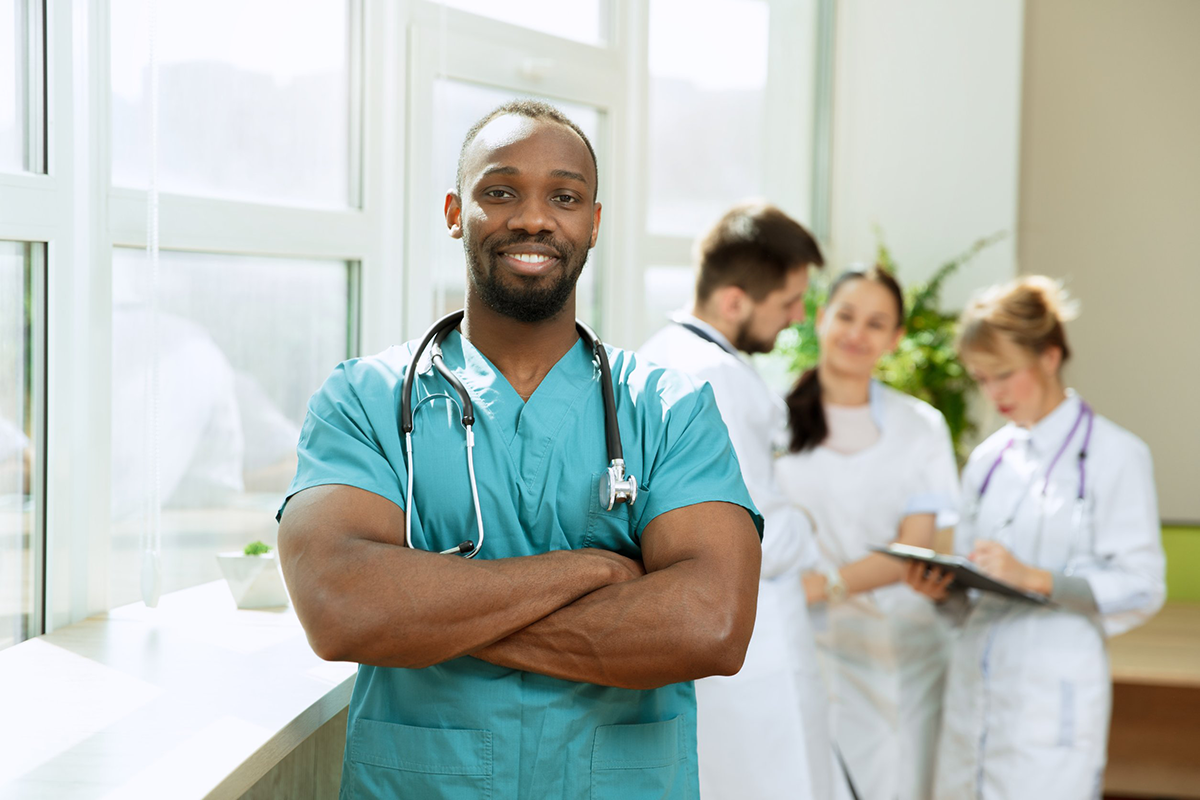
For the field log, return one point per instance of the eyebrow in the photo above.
(558, 173)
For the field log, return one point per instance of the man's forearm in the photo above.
(362, 596)
(662, 628)
(402, 608)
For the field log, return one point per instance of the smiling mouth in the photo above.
(529, 263)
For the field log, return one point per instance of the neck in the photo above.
(1054, 398)
(523, 352)
(840, 389)
(724, 327)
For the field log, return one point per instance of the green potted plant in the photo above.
(253, 576)
(925, 363)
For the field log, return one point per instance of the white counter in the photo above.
(194, 699)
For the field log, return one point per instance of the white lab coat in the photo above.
(883, 652)
(762, 733)
(1028, 692)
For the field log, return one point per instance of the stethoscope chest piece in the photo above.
(615, 487)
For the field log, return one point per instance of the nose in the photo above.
(533, 217)
(797, 315)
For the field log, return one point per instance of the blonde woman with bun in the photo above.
(1060, 502)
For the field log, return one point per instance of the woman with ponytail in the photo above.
(871, 466)
(1061, 503)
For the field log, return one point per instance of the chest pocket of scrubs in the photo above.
(610, 530)
(644, 760)
(389, 760)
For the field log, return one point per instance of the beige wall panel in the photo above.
(1110, 202)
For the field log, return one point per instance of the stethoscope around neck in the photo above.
(615, 486)
(1085, 412)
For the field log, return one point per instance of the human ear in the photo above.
(731, 303)
(595, 226)
(1051, 360)
(453, 213)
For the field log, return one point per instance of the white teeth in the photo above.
(528, 258)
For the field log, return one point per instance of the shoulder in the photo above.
(674, 346)
(911, 412)
(367, 376)
(985, 453)
(1111, 441)
(648, 383)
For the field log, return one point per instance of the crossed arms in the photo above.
(686, 611)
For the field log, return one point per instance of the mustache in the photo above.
(547, 239)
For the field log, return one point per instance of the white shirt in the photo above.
(762, 733)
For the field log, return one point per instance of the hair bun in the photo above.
(1029, 311)
(1053, 296)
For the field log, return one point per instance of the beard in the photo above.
(748, 342)
(524, 298)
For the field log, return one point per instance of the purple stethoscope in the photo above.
(1085, 412)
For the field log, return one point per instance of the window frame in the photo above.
(70, 208)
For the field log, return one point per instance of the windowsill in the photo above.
(193, 699)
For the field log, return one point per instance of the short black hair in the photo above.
(533, 109)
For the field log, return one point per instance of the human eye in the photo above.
(566, 199)
(498, 193)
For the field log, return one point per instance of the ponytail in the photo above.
(806, 415)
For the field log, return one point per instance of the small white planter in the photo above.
(255, 581)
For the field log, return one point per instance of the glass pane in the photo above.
(456, 107)
(13, 85)
(581, 20)
(254, 99)
(241, 343)
(667, 290)
(16, 445)
(708, 77)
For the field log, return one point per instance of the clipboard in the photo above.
(965, 572)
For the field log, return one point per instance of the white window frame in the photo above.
(787, 138)
(492, 53)
(395, 46)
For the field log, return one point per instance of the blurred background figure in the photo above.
(764, 732)
(871, 465)
(1059, 502)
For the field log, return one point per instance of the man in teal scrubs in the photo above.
(557, 663)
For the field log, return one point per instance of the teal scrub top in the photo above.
(466, 728)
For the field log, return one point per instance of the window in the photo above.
(708, 81)
(240, 344)
(20, 423)
(254, 99)
(581, 20)
(18, 79)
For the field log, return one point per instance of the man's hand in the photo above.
(625, 568)
(689, 616)
(363, 596)
(994, 559)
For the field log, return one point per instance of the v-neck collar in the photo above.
(545, 408)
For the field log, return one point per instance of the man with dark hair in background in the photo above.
(557, 660)
(764, 732)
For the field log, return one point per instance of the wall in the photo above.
(1109, 201)
(925, 134)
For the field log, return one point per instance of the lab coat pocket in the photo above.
(644, 760)
(385, 759)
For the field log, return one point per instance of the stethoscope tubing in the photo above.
(432, 340)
